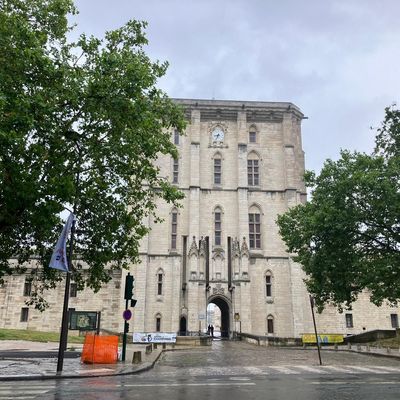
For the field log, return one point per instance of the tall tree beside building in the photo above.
(347, 237)
(80, 126)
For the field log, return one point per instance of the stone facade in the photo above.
(240, 165)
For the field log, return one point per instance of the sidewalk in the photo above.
(24, 367)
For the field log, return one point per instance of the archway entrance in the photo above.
(221, 316)
(182, 326)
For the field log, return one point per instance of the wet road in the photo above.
(233, 370)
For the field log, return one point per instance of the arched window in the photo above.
(268, 284)
(255, 228)
(160, 279)
(270, 324)
(253, 170)
(158, 322)
(175, 171)
(174, 228)
(176, 137)
(252, 134)
(217, 226)
(217, 169)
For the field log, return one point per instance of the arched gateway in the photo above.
(224, 305)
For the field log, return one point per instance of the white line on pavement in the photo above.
(255, 371)
(189, 384)
(285, 370)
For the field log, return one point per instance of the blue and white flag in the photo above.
(59, 258)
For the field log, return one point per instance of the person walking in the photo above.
(212, 330)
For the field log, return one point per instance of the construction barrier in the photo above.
(100, 349)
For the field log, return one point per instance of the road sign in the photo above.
(127, 315)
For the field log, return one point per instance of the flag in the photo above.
(59, 258)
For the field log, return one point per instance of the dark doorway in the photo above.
(182, 326)
(224, 307)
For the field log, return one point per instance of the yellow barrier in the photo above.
(322, 338)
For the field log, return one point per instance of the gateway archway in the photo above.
(224, 306)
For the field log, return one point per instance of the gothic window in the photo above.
(394, 320)
(268, 284)
(349, 320)
(175, 171)
(254, 228)
(27, 287)
(270, 324)
(217, 227)
(252, 134)
(174, 229)
(160, 277)
(24, 314)
(253, 170)
(176, 137)
(217, 169)
(158, 323)
(73, 290)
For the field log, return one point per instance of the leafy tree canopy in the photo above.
(347, 237)
(81, 124)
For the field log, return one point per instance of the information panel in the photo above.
(322, 338)
(83, 320)
(154, 337)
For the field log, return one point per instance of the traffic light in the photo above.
(129, 286)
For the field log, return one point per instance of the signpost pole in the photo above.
(126, 326)
(315, 329)
(64, 324)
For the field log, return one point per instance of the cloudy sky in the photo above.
(338, 60)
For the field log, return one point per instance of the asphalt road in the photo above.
(233, 371)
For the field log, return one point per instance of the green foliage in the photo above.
(81, 125)
(347, 237)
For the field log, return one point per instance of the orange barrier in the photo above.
(100, 349)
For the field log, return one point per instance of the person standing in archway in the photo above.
(212, 330)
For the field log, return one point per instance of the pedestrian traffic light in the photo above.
(129, 286)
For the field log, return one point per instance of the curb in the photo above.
(71, 376)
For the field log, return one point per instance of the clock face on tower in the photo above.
(218, 135)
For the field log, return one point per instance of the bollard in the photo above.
(137, 357)
(349, 346)
(336, 347)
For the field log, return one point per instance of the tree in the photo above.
(347, 237)
(81, 125)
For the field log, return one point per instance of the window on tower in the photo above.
(253, 170)
(255, 228)
(174, 229)
(217, 227)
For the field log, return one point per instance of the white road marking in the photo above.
(339, 369)
(369, 370)
(188, 384)
(255, 371)
(284, 370)
(311, 369)
(391, 369)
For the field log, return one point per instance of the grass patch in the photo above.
(36, 336)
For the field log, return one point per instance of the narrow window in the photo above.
(73, 290)
(175, 174)
(176, 136)
(252, 135)
(217, 227)
(253, 174)
(395, 320)
(217, 171)
(24, 314)
(349, 320)
(255, 230)
(268, 285)
(174, 229)
(27, 287)
(158, 324)
(270, 324)
(160, 284)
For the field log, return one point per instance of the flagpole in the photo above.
(64, 324)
